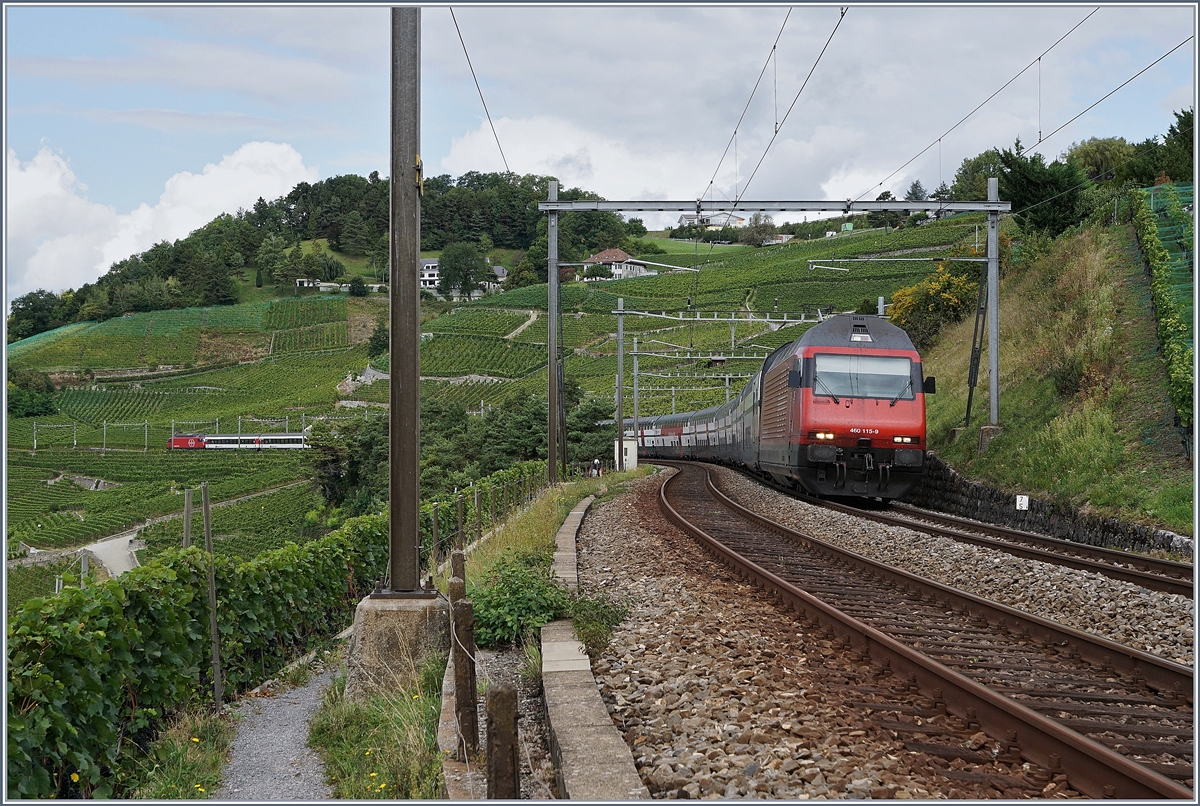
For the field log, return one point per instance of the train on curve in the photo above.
(247, 442)
(840, 411)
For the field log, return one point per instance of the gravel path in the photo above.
(270, 758)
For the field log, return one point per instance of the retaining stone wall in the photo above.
(944, 490)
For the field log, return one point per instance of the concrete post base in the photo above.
(986, 434)
(393, 640)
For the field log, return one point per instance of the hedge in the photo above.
(1173, 328)
(90, 669)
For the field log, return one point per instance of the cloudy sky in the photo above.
(124, 126)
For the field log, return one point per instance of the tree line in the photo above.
(499, 210)
(486, 210)
(348, 459)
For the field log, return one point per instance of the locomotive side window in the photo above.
(863, 376)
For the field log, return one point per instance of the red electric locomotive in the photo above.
(839, 412)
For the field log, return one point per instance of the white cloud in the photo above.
(579, 157)
(58, 239)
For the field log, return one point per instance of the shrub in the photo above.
(941, 298)
(594, 618)
(358, 287)
(1173, 328)
(519, 596)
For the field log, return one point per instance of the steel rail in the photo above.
(1158, 582)
(1166, 568)
(1159, 575)
(1090, 766)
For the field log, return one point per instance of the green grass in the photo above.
(382, 746)
(1086, 420)
(185, 760)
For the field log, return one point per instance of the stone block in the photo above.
(393, 640)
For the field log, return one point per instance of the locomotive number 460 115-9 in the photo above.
(864, 430)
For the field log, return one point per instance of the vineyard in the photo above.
(20, 349)
(244, 529)
(453, 356)
(298, 312)
(313, 337)
(65, 515)
(476, 322)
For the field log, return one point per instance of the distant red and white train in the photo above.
(235, 441)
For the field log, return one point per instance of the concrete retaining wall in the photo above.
(591, 759)
(945, 490)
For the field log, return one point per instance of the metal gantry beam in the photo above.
(700, 207)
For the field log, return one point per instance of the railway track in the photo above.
(1160, 575)
(1116, 721)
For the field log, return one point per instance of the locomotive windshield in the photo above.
(863, 376)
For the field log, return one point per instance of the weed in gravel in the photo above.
(297, 675)
(382, 746)
(531, 666)
(594, 617)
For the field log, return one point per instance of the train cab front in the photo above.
(861, 423)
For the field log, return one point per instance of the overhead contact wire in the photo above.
(480, 90)
(738, 125)
(976, 109)
(1106, 97)
(778, 129)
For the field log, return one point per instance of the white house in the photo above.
(619, 263)
(711, 221)
(429, 273)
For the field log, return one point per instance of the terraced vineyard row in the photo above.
(453, 356)
(54, 516)
(476, 322)
(314, 337)
(288, 314)
(246, 528)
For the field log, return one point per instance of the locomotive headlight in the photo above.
(906, 440)
(821, 435)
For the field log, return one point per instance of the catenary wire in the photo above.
(477, 87)
(1106, 97)
(779, 128)
(738, 125)
(976, 109)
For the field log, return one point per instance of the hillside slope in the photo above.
(1087, 422)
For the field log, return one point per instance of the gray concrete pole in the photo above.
(552, 337)
(187, 517)
(404, 393)
(993, 301)
(636, 437)
(620, 384)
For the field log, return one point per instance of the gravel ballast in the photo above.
(1159, 623)
(721, 694)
